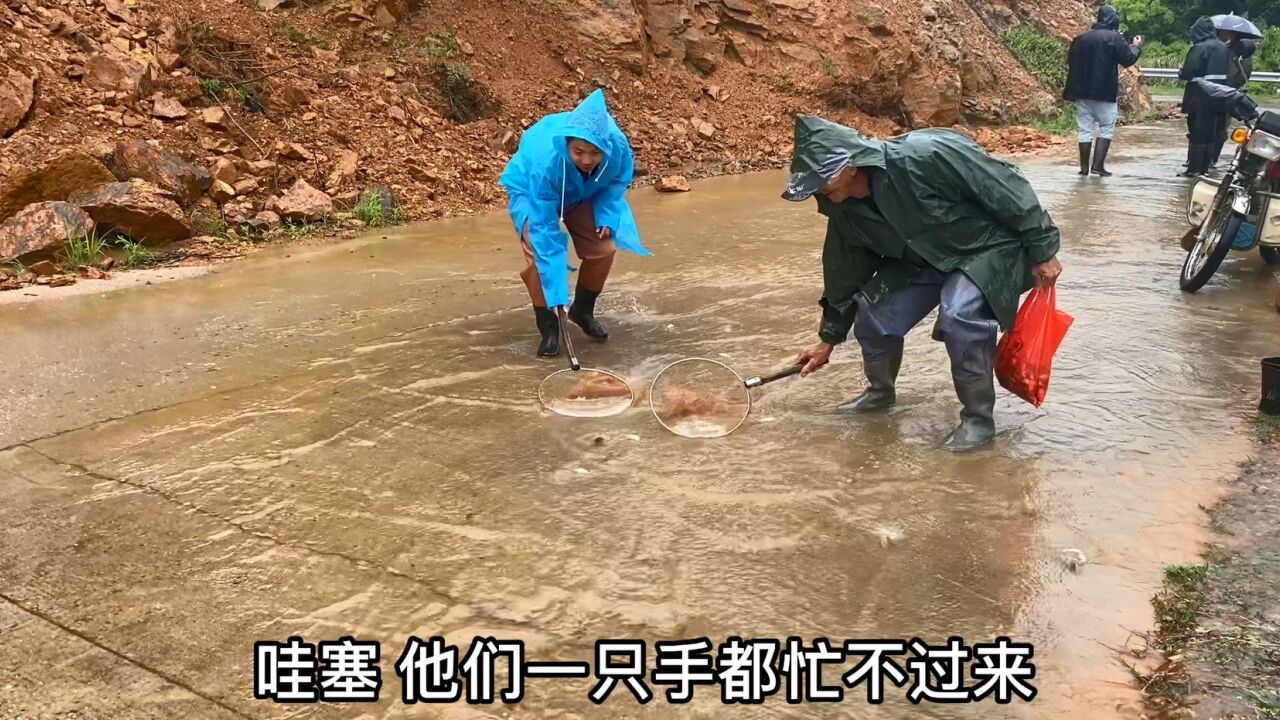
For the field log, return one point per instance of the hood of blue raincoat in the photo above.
(589, 121)
(1203, 30)
(1108, 18)
(823, 149)
(544, 152)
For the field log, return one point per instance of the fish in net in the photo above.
(585, 393)
(699, 398)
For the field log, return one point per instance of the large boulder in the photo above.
(17, 100)
(932, 99)
(41, 228)
(388, 13)
(67, 174)
(1134, 98)
(703, 52)
(168, 109)
(344, 170)
(672, 184)
(304, 203)
(136, 209)
(214, 118)
(116, 72)
(138, 159)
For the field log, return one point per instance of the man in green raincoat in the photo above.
(926, 220)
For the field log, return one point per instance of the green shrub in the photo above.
(299, 37)
(466, 99)
(1064, 123)
(1267, 58)
(82, 250)
(376, 208)
(212, 87)
(1042, 55)
(1164, 54)
(136, 254)
(442, 44)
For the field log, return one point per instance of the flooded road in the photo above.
(346, 441)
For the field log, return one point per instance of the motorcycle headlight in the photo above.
(1264, 146)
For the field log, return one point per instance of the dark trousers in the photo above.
(1207, 128)
(1207, 133)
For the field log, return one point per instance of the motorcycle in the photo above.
(1240, 210)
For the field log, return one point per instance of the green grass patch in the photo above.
(375, 209)
(1178, 604)
(298, 37)
(442, 45)
(1266, 428)
(1064, 123)
(212, 225)
(82, 250)
(297, 231)
(212, 87)
(1044, 56)
(466, 100)
(828, 66)
(135, 253)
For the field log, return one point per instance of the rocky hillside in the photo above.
(170, 115)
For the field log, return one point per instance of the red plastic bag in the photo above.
(1025, 354)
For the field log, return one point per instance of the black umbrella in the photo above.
(1236, 24)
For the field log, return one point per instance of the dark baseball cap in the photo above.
(805, 183)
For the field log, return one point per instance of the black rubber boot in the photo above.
(1197, 160)
(1100, 149)
(583, 314)
(977, 416)
(882, 375)
(1085, 149)
(550, 329)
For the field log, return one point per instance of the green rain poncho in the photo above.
(942, 200)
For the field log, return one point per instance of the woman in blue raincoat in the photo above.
(572, 168)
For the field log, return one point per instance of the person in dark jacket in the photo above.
(1093, 84)
(1209, 58)
(927, 220)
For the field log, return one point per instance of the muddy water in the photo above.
(347, 441)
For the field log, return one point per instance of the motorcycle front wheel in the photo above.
(1212, 246)
(1270, 255)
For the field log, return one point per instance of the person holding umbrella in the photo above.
(927, 220)
(1093, 84)
(1208, 58)
(1239, 34)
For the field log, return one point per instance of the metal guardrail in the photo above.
(1172, 74)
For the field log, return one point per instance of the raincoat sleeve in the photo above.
(550, 243)
(1001, 190)
(1126, 53)
(1193, 66)
(611, 200)
(845, 268)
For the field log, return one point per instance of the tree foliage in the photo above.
(1166, 25)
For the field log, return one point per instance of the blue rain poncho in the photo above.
(542, 183)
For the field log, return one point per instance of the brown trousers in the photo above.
(596, 254)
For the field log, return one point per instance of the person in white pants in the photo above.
(1093, 84)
